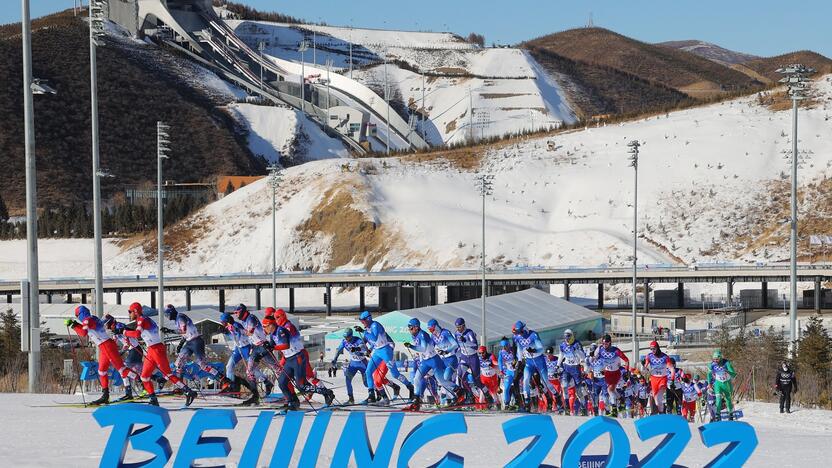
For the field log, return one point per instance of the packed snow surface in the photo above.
(75, 439)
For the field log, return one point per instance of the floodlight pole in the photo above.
(796, 79)
(31, 204)
(303, 47)
(274, 181)
(634, 145)
(96, 20)
(484, 182)
(161, 154)
(387, 101)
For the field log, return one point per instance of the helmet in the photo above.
(482, 350)
(347, 332)
(135, 308)
(280, 316)
(503, 343)
(696, 377)
(414, 322)
(518, 327)
(109, 321)
(81, 312)
(687, 376)
(607, 338)
(654, 344)
(241, 308)
(225, 317)
(365, 316)
(717, 354)
(432, 323)
(550, 350)
(268, 312)
(567, 333)
(459, 322)
(269, 321)
(170, 312)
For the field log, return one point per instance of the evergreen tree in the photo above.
(4, 211)
(229, 189)
(813, 351)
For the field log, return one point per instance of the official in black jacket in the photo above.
(785, 383)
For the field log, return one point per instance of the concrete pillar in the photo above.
(118, 297)
(187, 298)
(415, 295)
(291, 300)
(152, 299)
(68, 299)
(817, 295)
(600, 296)
(222, 300)
(646, 297)
(361, 305)
(680, 295)
(433, 295)
(566, 290)
(399, 296)
(257, 303)
(49, 298)
(328, 300)
(83, 298)
(8, 298)
(764, 303)
(729, 287)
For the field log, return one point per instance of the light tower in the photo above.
(162, 149)
(96, 39)
(484, 187)
(796, 78)
(275, 178)
(634, 146)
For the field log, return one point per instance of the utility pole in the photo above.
(274, 181)
(387, 101)
(634, 146)
(796, 78)
(350, 48)
(260, 46)
(328, 69)
(315, 46)
(470, 116)
(424, 136)
(96, 15)
(162, 148)
(304, 46)
(484, 186)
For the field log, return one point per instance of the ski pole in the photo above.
(74, 363)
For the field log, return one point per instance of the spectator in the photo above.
(785, 382)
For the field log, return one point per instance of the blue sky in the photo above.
(755, 27)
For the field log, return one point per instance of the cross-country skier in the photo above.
(690, 395)
(643, 395)
(381, 346)
(674, 387)
(156, 356)
(296, 342)
(489, 374)
(192, 344)
(611, 358)
(241, 347)
(261, 351)
(289, 342)
(554, 373)
(530, 349)
(656, 363)
(598, 391)
(507, 362)
(446, 347)
(92, 327)
(570, 357)
(357, 353)
(720, 375)
(422, 343)
(469, 360)
(785, 382)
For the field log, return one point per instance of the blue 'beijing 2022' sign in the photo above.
(354, 440)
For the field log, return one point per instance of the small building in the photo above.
(348, 121)
(622, 322)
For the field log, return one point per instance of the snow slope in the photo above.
(280, 131)
(510, 92)
(75, 439)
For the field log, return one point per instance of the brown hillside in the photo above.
(133, 96)
(767, 66)
(674, 68)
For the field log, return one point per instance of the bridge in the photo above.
(416, 282)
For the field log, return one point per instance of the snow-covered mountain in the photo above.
(710, 51)
(710, 189)
(508, 91)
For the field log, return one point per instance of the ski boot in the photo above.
(103, 399)
(383, 400)
(293, 404)
(269, 387)
(416, 405)
(128, 396)
(461, 395)
(254, 399)
(396, 390)
(614, 412)
(371, 397)
(329, 396)
(190, 396)
(153, 401)
(410, 391)
(350, 400)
